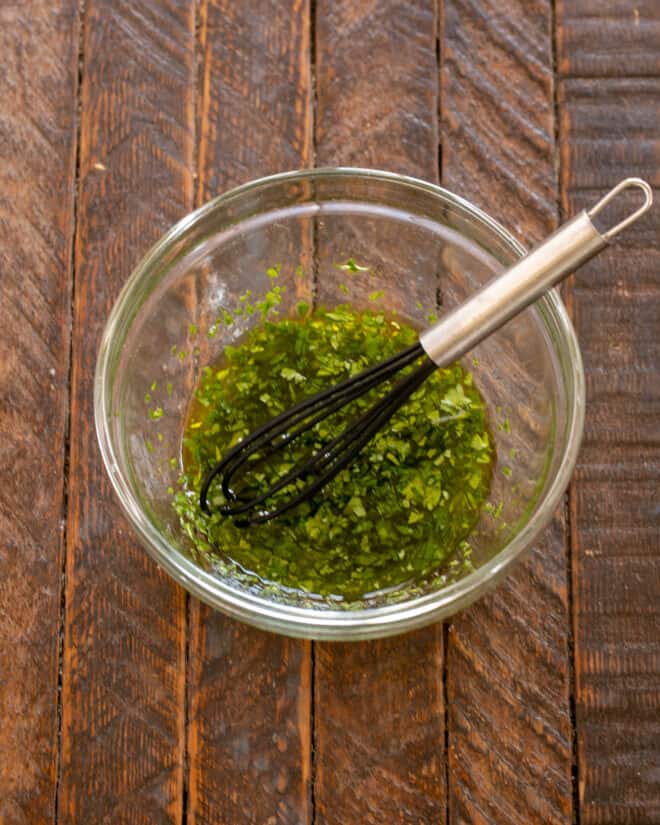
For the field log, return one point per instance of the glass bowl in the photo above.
(428, 250)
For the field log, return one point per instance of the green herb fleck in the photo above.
(399, 513)
(352, 266)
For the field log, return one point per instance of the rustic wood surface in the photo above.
(378, 111)
(250, 692)
(123, 680)
(508, 675)
(37, 169)
(614, 508)
(123, 699)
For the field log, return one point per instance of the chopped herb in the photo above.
(352, 266)
(403, 508)
(292, 375)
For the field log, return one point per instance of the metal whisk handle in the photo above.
(507, 294)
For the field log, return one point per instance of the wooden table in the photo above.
(125, 701)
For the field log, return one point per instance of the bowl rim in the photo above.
(330, 624)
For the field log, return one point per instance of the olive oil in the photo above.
(404, 507)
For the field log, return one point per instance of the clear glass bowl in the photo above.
(423, 245)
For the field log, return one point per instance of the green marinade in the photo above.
(402, 509)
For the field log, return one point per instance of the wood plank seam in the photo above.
(67, 420)
(600, 78)
(188, 610)
(445, 700)
(439, 39)
(314, 297)
(566, 290)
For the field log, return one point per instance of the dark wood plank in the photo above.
(508, 687)
(379, 709)
(38, 78)
(124, 673)
(610, 128)
(250, 692)
(623, 118)
(375, 87)
(379, 732)
(497, 121)
(597, 39)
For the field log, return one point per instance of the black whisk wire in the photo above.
(324, 464)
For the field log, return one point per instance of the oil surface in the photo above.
(403, 508)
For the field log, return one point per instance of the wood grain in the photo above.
(250, 692)
(376, 93)
(38, 48)
(123, 679)
(510, 745)
(597, 39)
(255, 113)
(379, 709)
(610, 128)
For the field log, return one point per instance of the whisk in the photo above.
(451, 337)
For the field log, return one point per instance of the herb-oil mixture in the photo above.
(404, 507)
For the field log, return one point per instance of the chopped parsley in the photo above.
(399, 514)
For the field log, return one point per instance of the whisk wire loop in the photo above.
(326, 463)
(284, 428)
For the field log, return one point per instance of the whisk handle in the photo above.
(514, 289)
